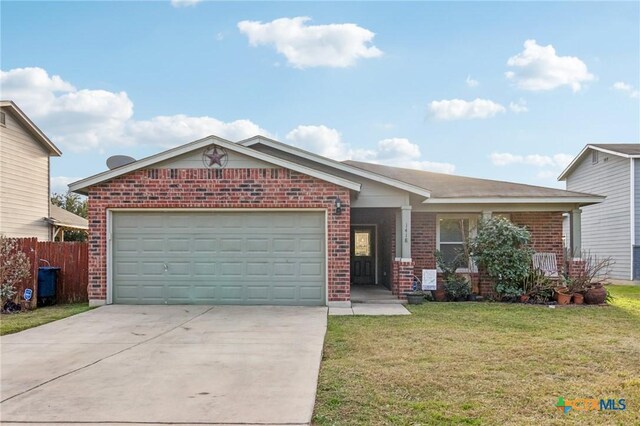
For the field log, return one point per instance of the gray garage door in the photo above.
(252, 258)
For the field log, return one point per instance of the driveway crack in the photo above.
(106, 357)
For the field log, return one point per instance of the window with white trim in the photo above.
(452, 235)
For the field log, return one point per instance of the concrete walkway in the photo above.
(166, 364)
(371, 309)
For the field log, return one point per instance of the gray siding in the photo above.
(636, 215)
(636, 212)
(606, 227)
(372, 193)
(24, 183)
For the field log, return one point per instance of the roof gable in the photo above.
(625, 150)
(30, 127)
(82, 185)
(343, 166)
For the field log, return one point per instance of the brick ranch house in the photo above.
(262, 222)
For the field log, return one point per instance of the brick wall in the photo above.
(423, 240)
(546, 236)
(546, 232)
(221, 188)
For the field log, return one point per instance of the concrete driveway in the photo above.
(166, 364)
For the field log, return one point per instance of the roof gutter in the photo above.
(516, 200)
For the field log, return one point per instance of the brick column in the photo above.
(401, 277)
(576, 268)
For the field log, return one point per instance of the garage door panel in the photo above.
(258, 270)
(310, 293)
(284, 245)
(310, 246)
(204, 269)
(311, 269)
(177, 245)
(219, 258)
(231, 245)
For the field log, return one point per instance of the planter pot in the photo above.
(415, 299)
(563, 298)
(596, 295)
(578, 298)
(440, 296)
(524, 298)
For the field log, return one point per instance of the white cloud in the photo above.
(540, 68)
(626, 88)
(82, 120)
(305, 46)
(549, 166)
(184, 3)
(59, 184)
(518, 107)
(458, 109)
(321, 140)
(173, 130)
(471, 82)
(399, 152)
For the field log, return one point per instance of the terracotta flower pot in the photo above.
(578, 298)
(524, 298)
(440, 295)
(596, 295)
(563, 298)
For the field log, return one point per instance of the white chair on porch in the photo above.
(547, 263)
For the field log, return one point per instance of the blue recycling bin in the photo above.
(47, 281)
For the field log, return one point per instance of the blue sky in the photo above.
(504, 91)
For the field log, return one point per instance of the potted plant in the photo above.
(440, 295)
(416, 296)
(596, 294)
(562, 295)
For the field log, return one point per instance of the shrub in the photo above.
(502, 249)
(457, 287)
(14, 267)
(538, 286)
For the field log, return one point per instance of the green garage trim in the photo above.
(216, 257)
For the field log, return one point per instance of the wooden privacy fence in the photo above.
(72, 259)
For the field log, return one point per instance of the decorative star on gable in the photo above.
(215, 157)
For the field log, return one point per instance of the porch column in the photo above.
(406, 232)
(575, 223)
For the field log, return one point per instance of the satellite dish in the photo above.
(116, 161)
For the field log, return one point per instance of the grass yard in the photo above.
(12, 323)
(482, 364)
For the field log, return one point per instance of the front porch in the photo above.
(389, 246)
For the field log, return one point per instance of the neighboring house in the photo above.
(611, 228)
(261, 222)
(24, 175)
(63, 220)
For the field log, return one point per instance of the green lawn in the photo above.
(12, 323)
(482, 363)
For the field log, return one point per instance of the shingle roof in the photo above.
(450, 186)
(622, 148)
(66, 219)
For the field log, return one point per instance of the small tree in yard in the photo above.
(503, 250)
(14, 267)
